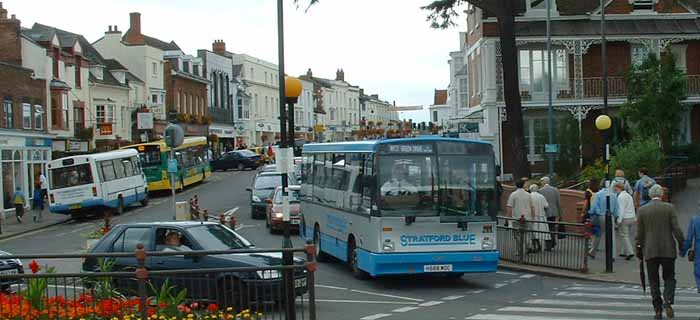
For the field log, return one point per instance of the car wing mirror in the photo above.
(249, 189)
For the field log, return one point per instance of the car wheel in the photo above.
(320, 255)
(252, 212)
(241, 166)
(76, 215)
(144, 201)
(353, 262)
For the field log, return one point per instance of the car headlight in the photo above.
(256, 199)
(268, 274)
(279, 215)
(18, 262)
(388, 245)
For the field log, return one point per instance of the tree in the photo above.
(443, 14)
(655, 91)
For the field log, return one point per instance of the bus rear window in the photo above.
(71, 176)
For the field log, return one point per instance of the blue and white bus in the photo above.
(92, 182)
(402, 206)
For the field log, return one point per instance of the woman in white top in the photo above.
(539, 225)
(626, 219)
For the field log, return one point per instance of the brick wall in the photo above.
(10, 41)
(619, 60)
(695, 124)
(571, 202)
(16, 85)
(619, 7)
(194, 90)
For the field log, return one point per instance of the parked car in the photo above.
(263, 187)
(226, 288)
(297, 169)
(274, 216)
(239, 159)
(8, 267)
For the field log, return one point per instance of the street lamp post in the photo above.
(603, 123)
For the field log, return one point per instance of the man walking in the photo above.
(519, 205)
(641, 188)
(620, 177)
(597, 213)
(553, 211)
(626, 219)
(658, 236)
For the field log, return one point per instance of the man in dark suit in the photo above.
(658, 236)
(551, 194)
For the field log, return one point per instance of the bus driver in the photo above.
(398, 185)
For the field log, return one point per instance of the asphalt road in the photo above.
(503, 295)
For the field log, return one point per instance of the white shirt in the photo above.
(625, 206)
(539, 202)
(396, 187)
(44, 183)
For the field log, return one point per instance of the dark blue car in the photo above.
(225, 288)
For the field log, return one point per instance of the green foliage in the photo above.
(168, 297)
(34, 292)
(655, 91)
(104, 288)
(640, 152)
(595, 170)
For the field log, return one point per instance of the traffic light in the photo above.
(422, 126)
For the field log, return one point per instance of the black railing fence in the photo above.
(528, 242)
(127, 286)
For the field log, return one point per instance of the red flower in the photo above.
(34, 266)
(213, 308)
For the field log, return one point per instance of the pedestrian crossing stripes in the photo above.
(593, 302)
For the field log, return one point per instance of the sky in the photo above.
(384, 46)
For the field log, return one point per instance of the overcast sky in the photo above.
(384, 46)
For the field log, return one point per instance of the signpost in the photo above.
(173, 136)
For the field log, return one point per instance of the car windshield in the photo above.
(246, 153)
(216, 237)
(293, 197)
(271, 181)
(71, 176)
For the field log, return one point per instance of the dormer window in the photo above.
(643, 5)
(97, 71)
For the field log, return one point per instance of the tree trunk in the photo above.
(511, 90)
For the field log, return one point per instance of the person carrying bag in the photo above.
(691, 246)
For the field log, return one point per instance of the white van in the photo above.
(93, 182)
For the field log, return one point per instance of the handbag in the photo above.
(561, 229)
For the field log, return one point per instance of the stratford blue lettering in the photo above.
(465, 238)
(437, 239)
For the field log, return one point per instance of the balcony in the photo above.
(220, 115)
(593, 89)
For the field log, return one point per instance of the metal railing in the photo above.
(132, 285)
(527, 242)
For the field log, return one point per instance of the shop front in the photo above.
(23, 158)
(226, 136)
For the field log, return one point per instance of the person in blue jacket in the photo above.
(693, 242)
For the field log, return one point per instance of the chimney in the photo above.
(219, 47)
(309, 73)
(110, 29)
(340, 75)
(134, 35)
(3, 12)
(115, 28)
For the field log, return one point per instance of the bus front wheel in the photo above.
(353, 261)
(320, 255)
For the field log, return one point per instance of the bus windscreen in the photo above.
(150, 155)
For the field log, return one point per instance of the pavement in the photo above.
(11, 227)
(506, 294)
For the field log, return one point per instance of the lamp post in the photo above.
(603, 123)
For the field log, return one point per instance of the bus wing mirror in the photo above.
(249, 189)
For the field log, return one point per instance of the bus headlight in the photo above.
(487, 244)
(388, 245)
(256, 199)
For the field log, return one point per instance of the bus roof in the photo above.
(96, 156)
(187, 142)
(371, 145)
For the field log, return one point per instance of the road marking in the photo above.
(635, 289)
(579, 303)
(450, 298)
(230, 211)
(590, 312)
(331, 287)
(618, 296)
(366, 302)
(506, 273)
(514, 281)
(376, 316)
(430, 303)
(245, 226)
(386, 295)
(528, 276)
(478, 291)
(519, 317)
(405, 309)
(499, 285)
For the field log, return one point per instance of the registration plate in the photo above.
(437, 268)
(300, 283)
(8, 272)
(75, 206)
(295, 221)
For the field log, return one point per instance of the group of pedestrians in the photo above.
(38, 199)
(540, 206)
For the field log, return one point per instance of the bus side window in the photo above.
(107, 170)
(368, 188)
(319, 177)
(128, 167)
(119, 168)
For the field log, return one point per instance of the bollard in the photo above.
(311, 266)
(142, 276)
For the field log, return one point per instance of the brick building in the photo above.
(25, 145)
(186, 92)
(634, 28)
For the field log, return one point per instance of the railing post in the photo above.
(587, 235)
(522, 224)
(311, 267)
(142, 277)
(289, 290)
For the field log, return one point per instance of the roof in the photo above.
(113, 64)
(371, 145)
(569, 28)
(162, 45)
(99, 156)
(440, 97)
